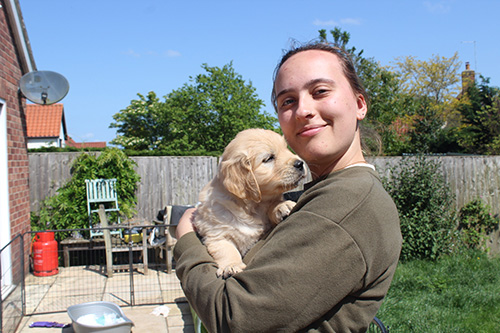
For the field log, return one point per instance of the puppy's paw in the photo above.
(281, 211)
(230, 270)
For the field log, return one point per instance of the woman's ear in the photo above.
(362, 107)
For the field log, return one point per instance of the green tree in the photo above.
(436, 78)
(200, 117)
(433, 86)
(138, 125)
(480, 113)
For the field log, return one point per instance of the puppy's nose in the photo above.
(299, 164)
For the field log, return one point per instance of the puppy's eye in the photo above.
(268, 158)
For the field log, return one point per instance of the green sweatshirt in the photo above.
(326, 268)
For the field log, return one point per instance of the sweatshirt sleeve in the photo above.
(306, 265)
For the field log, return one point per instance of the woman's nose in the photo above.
(304, 110)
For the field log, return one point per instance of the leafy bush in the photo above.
(423, 199)
(474, 223)
(68, 209)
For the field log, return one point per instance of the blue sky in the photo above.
(113, 49)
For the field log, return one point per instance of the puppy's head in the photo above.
(257, 165)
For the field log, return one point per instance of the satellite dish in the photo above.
(44, 87)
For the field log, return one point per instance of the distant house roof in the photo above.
(45, 121)
(71, 143)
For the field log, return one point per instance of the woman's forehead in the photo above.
(309, 65)
(311, 57)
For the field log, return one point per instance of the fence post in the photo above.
(107, 241)
(131, 272)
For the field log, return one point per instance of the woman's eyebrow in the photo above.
(308, 85)
(284, 91)
(314, 82)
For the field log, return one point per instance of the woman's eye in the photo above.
(320, 92)
(287, 102)
(268, 158)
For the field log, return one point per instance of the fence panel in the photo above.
(169, 180)
(48, 172)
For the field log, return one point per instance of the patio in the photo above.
(48, 297)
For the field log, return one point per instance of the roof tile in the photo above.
(44, 120)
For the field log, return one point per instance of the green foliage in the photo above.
(458, 293)
(436, 78)
(423, 199)
(474, 223)
(139, 123)
(199, 118)
(68, 209)
(386, 105)
(480, 111)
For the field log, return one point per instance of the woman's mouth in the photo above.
(310, 130)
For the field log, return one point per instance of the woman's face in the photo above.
(318, 111)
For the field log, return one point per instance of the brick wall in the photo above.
(10, 73)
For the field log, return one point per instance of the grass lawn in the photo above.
(459, 293)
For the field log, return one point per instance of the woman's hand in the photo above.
(185, 225)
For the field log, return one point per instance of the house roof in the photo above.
(71, 143)
(44, 121)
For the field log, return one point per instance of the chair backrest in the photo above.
(101, 190)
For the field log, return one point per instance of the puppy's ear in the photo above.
(238, 178)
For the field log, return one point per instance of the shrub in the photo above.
(474, 223)
(68, 209)
(423, 199)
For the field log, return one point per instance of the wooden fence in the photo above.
(469, 177)
(169, 180)
(165, 180)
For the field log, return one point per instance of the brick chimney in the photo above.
(468, 78)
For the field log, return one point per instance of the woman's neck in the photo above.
(353, 155)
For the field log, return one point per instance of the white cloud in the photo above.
(132, 53)
(318, 22)
(172, 53)
(438, 6)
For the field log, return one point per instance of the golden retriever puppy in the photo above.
(245, 199)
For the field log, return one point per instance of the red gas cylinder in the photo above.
(45, 256)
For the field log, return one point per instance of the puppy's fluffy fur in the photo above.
(245, 198)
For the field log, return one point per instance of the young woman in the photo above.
(329, 265)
